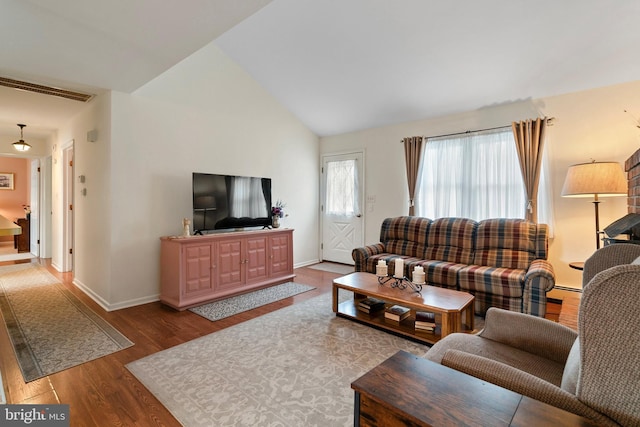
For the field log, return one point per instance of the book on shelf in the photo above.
(425, 320)
(425, 316)
(429, 331)
(420, 328)
(370, 305)
(397, 313)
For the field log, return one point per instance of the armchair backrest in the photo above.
(452, 240)
(607, 257)
(405, 235)
(510, 243)
(609, 377)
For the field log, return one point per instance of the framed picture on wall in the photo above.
(6, 181)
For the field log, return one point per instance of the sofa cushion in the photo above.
(406, 235)
(451, 240)
(439, 273)
(509, 243)
(498, 281)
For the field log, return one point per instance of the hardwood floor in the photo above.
(104, 393)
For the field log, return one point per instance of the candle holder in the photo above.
(400, 283)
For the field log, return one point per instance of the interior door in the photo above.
(342, 201)
(34, 198)
(67, 197)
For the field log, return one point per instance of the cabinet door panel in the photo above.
(256, 259)
(229, 265)
(198, 269)
(281, 261)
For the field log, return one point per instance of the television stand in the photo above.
(200, 269)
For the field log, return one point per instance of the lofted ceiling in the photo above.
(338, 65)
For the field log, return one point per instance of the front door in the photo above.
(342, 201)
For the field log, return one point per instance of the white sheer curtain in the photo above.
(342, 188)
(474, 175)
(246, 198)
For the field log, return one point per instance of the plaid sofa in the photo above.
(502, 262)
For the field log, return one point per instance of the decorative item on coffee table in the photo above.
(398, 280)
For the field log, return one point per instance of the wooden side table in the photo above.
(577, 265)
(406, 390)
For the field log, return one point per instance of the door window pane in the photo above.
(341, 187)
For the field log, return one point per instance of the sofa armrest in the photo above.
(543, 337)
(360, 255)
(520, 382)
(538, 280)
(540, 273)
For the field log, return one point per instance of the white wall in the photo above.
(205, 115)
(92, 219)
(589, 125)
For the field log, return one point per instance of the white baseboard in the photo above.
(16, 257)
(306, 263)
(567, 288)
(117, 306)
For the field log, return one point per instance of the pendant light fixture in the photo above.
(21, 145)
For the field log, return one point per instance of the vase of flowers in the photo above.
(277, 213)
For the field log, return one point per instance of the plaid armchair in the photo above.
(502, 262)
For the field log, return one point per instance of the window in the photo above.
(342, 184)
(475, 175)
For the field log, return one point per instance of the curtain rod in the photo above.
(549, 122)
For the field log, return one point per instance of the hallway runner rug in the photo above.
(51, 330)
(228, 307)
(292, 367)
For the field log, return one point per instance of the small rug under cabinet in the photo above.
(237, 304)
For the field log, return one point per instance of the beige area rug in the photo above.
(50, 329)
(333, 267)
(229, 306)
(292, 367)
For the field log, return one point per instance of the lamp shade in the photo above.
(604, 179)
(21, 145)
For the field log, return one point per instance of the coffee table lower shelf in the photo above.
(348, 310)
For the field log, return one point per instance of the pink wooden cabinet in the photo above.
(199, 269)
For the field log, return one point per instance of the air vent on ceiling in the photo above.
(47, 90)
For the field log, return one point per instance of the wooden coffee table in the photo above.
(453, 309)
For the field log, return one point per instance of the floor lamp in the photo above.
(595, 179)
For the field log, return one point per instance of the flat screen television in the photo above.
(228, 201)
